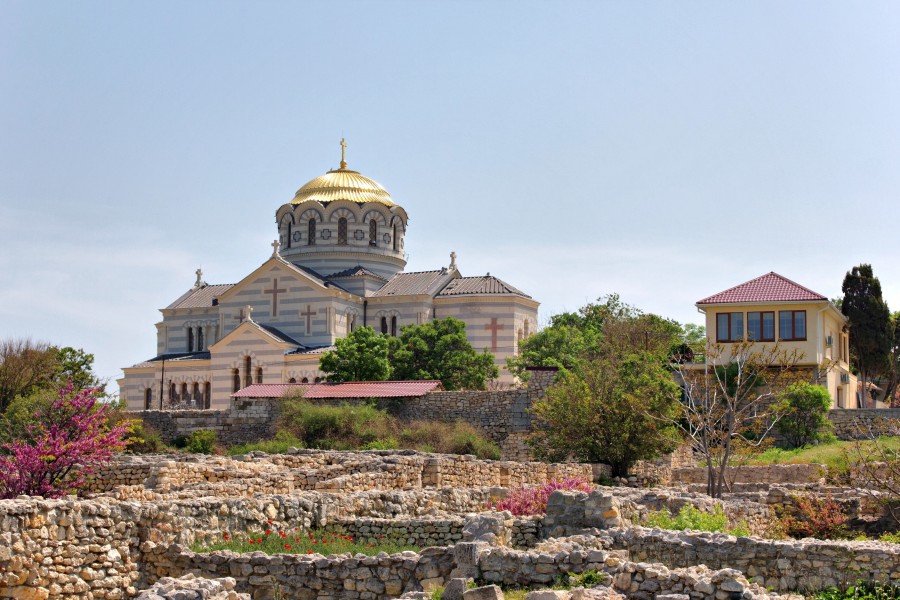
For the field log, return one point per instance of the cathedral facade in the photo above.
(337, 264)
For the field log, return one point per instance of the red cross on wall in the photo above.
(274, 291)
(309, 314)
(494, 327)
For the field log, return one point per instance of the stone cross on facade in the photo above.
(274, 291)
(309, 314)
(493, 327)
(199, 278)
(275, 246)
(452, 260)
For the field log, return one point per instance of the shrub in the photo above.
(141, 438)
(691, 517)
(201, 441)
(350, 427)
(70, 438)
(822, 518)
(805, 421)
(530, 500)
(861, 591)
(282, 441)
(335, 427)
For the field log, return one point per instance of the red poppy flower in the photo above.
(225, 536)
(250, 541)
(268, 531)
(288, 546)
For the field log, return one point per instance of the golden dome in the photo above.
(343, 184)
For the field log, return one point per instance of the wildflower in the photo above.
(269, 521)
(309, 551)
(287, 546)
(259, 541)
(268, 531)
(250, 541)
(225, 536)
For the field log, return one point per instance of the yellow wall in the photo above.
(822, 320)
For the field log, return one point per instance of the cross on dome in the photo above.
(343, 153)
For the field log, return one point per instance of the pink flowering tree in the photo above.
(71, 437)
(531, 500)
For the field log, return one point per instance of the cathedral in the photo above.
(337, 264)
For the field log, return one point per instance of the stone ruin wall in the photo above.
(110, 546)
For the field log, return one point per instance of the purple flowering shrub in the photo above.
(71, 437)
(529, 500)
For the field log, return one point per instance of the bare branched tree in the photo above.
(731, 402)
(875, 463)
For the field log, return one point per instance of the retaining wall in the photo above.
(847, 422)
(501, 415)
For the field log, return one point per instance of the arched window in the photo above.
(311, 233)
(287, 243)
(258, 374)
(292, 380)
(190, 339)
(247, 379)
(395, 237)
(342, 231)
(304, 380)
(184, 392)
(195, 393)
(236, 380)
(394, 326)
(384, 325)
(207, 394)
(172, 392)
(317, 379)
(200, 340)
(148, 398)
(373, 232)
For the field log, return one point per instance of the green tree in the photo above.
(440, 350)
(805, 419)
(870, 339)
(361, 356)
(76, 365)
(612, 409)
(892, 370)
(25, 367)
(574, 336)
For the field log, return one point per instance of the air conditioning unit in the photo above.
(845, 377)
(829, 341)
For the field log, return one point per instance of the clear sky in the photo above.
(661, 150)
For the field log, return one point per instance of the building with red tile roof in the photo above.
(772, 309)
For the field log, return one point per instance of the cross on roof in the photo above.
(275, 246)
(343, 154)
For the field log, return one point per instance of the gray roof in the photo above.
(357, 271)
(173, 356)
(484, 284)
(201, 297)
(277, 333)
(410, 284)
(312, 350)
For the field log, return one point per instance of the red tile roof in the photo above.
(351, 389)
(771, 287)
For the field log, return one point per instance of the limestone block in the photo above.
(488, 592)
